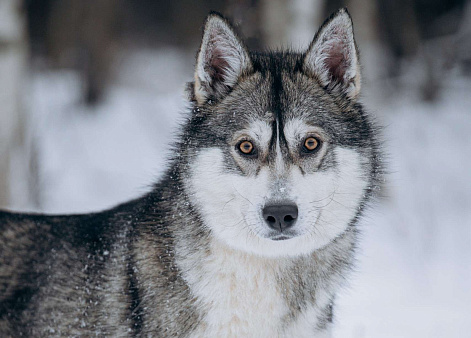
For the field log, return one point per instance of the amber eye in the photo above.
(246, 147)
(311, 144)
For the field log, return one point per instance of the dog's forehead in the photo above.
(303, 98)
(277, 93)
(297, 102)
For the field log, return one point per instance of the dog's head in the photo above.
(279, 152)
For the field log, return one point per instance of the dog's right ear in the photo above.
(221, 60)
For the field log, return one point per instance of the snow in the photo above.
(413, 275)
(413, 278)
(92, 159)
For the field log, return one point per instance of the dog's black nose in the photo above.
(280, 216)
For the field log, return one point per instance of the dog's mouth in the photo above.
(280, 238)
(283, 236)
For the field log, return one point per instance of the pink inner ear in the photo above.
(219, 65)
(336, 62)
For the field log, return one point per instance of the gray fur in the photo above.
(127, 271)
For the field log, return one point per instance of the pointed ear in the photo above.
(221, 60)
(333, 58)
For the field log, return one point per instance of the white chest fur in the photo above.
(241, 297)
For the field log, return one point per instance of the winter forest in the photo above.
(92, 93)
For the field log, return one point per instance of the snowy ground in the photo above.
(413, 278)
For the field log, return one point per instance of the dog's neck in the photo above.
(242, 292)
(237, 292)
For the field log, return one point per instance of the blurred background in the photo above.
(92, 91)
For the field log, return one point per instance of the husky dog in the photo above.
(251, 231)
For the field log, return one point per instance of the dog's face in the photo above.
(279, 154)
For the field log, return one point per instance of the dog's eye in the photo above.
(246, 147)
(311, 144)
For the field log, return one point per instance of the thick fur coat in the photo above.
(211, 251)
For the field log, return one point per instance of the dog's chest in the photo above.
(241, 296)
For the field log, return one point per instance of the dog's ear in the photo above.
(333, 57)
(221, 60)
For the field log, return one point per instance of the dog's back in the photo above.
(55, 272)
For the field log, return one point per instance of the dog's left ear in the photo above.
(221, 60)
(333, 57)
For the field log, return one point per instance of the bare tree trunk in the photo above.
(463, 41)
(81, 35)
(275, 22)
(290, 23)
(366, 22)
(13, 58)
(306, 17)
(400, 30)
